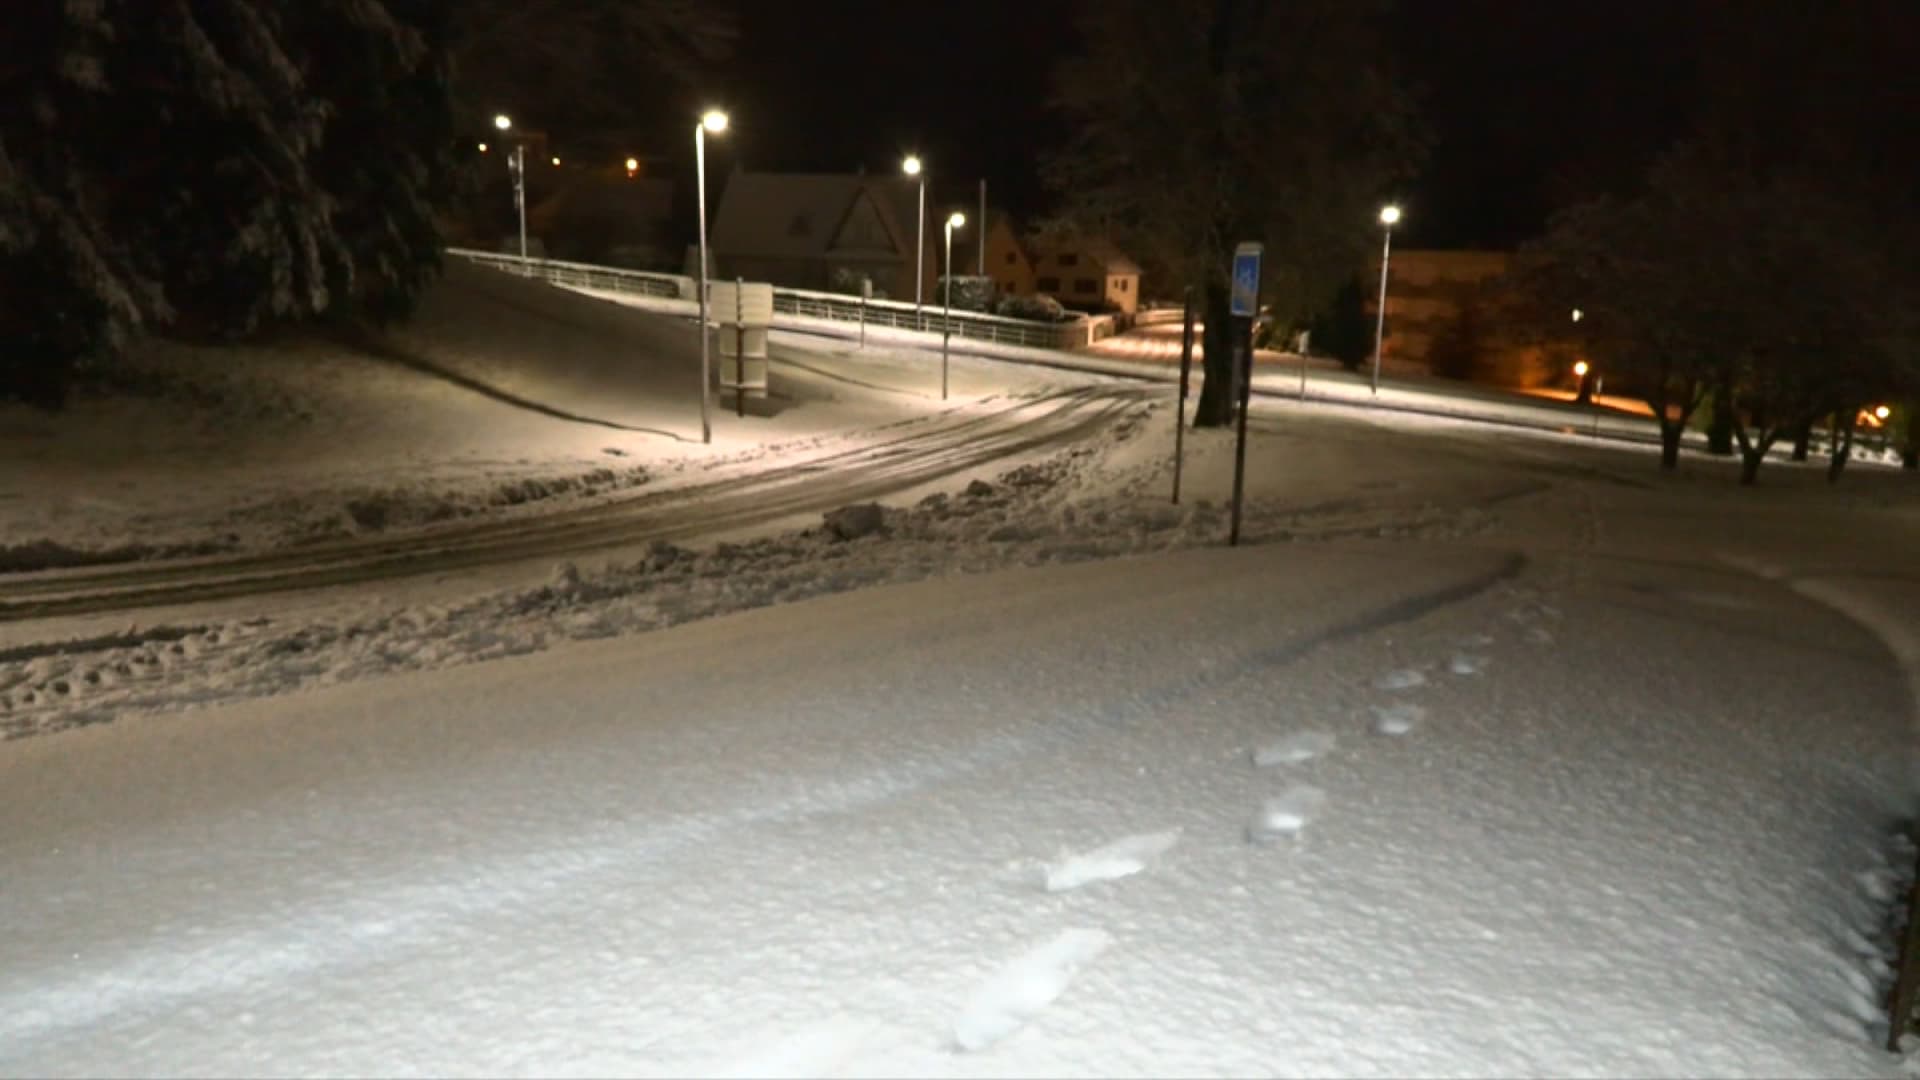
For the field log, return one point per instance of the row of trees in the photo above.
(1776, 300)
(1765, 269)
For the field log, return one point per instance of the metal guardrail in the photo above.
(837, 307)
(585, 275)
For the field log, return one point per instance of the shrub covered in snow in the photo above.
(969, 293)
(1039, 308)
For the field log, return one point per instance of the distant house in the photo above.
(1007, 261)
(822, 231)
(1085, 272)
(602, 217)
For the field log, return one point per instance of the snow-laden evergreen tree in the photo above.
(204, 167)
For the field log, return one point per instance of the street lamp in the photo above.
(1881, 412)
(954, 221)
(912, 168)
(517, 168)
(1580, 368)
(715, 121)
(1389, 217)
(633, 166)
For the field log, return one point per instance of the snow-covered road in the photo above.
(874, 464)
(1566, 797)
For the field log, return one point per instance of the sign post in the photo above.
(1244, 307)
(1186, 375)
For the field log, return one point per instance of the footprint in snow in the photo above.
(1467, 664)
(1401, 679)
(1123, 858)
(1284, 815)
(1539, 635)
(1476, 641)
(1300, 746)
(1025, 986)
(1398, 719)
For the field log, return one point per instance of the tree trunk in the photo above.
(1842, 445)
(1750, 465)
(1720, 429)
(1215, 408)
(1802, 440)
(1671, 432)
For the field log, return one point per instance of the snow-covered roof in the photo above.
(802, 214)
(1096, 248)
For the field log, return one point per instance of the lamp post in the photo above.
(517, 166)
(715, 121)
(1389, 217)
(912, 168)
(954, 221)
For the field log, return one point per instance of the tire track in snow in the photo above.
(741, 502)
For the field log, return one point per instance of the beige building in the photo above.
(1444, 316)
(1007, 261)
(1085, 272)
(1427, 291)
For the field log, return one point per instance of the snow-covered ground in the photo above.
(1492, 753)
(504, 398)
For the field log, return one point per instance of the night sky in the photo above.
(1529, 104)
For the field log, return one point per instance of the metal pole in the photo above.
(920, 253)
(700, 182)
(740, 346)
(946, 316)
(863, 317)
(1243, 341)
(1380, 315)
(980, 246)
(1186, 374)
(520, 200)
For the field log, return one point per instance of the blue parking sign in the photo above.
(1246, 280)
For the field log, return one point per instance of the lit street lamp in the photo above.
(954, 221)
(911, 167)
(517, 168)
(1389, 217)
(715, 121)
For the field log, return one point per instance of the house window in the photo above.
(1047, 284)
(1010, 258)
(1067, 260)
(1121, 282)
(1086, 285)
